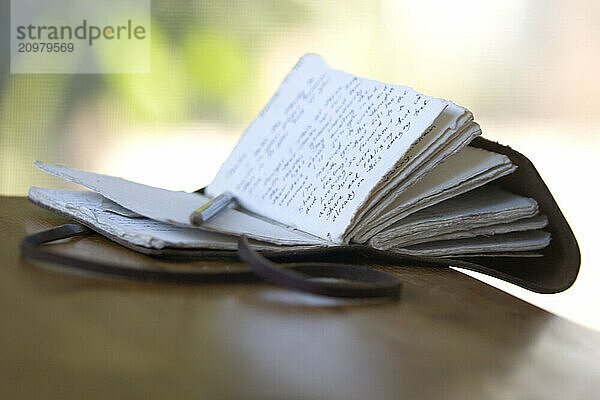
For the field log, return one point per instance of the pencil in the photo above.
(211, 208)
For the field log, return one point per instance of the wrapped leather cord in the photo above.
(356, 282)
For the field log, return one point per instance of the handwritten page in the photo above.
(321, 145)
(452, 131)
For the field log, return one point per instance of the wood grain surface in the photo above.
(66, 335)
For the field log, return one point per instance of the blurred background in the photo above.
(529, 71)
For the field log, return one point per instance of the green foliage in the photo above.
(216, 64)
(160, 95)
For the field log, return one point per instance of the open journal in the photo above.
(332, 159)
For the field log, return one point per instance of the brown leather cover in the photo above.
(558, 268)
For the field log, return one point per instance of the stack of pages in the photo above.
(332, 159)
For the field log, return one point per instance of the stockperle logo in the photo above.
(83, 36)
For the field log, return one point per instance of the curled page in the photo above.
(174, 207)
(526, 224)
(107, 217)
(486, 206)
(497, 244)
(465, 171)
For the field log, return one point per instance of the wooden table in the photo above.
(450, 336)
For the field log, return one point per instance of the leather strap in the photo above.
(30, 248)
(357, 282)
(363, 282)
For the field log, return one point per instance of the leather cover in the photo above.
(558, 268)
